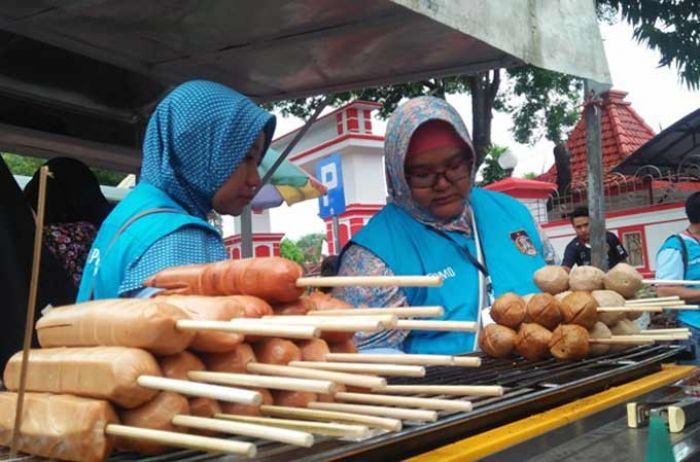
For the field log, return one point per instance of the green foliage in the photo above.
(670, 27)
(491, 172)
(530, 176)
(310, 245)
(291, 251)
(27, 166)
(216, 221)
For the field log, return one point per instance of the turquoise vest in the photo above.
(109, 259)
(693, 274)
(510, 243)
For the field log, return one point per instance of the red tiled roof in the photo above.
(622, 132)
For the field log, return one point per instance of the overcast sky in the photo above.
(655, 93)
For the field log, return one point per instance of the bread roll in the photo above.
(544, 310)
(533, 341)
(609, 298)
(623, 279)
(569, 341)
(508, 310)
(497, 341)
(580, 308)
(552, 279)
(600, 330)
(586, 278)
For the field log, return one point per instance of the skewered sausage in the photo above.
(243, 409)
(295, 308)
(508, 310)
(544, 310)
(156, 414)
(232, 361)
(209, 309)
(276, 351)
(348, 346)
(59, 426)
(137, 323)
(271, 278)
(314, 349)
(97, 372)
(324, 301)
(177, 366)
(293, 398)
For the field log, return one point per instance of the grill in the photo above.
(530, 388)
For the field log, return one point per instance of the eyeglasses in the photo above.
(455, 171)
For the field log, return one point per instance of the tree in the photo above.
(290, 251)
(27, 166)
(530, 176)
(310, 245)
(667, 26)
(491, 172)
(216, 220)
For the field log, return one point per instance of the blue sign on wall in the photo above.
(330, 173)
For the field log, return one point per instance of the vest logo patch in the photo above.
(523, 242)
(445, 273)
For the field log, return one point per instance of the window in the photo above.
(634, 243)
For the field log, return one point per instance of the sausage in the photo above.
(293, 398)
(276, 351)
(99, 372)
(254, 307)
(204, 407)
(270, 278)
(76, 430)
(138, 323)
(314, 349)
(244, 409)
(177, 366)
(233, 361)
(209, 309)
(324, 301)
(497, 341)
(297, 307)
(156, 414)
(348, 346)
(328, 398)
(508, 310)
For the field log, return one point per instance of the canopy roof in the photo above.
(677, 148)
(81, 77)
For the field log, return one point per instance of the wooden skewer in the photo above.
(264, 381)
(329, 323)
(358, 380)
(665, 304)
(320, 428)
(229, 394)
(456, 326)
(653, 300)
(623, 340)
(630, 309)
(183, 440)
(418, 360)
(680, 330)
(671, 282)
(31, 309)
(682, 307)
(388, 370)
(371, 281)
(456, 390)
(403, 312)
(394, 412)
(371, 421)
(407, 401)
(349, 324)
(251, 327)
(293, 437)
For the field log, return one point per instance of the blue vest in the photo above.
(109, 259)
(510, 243)
(693, 273)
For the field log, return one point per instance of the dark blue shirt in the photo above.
(578, 253)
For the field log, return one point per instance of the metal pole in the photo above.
(336, 235)
(247, 232)
(596, 193)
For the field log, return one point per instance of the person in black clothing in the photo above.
(578, 251)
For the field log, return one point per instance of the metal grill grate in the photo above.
(530, 388)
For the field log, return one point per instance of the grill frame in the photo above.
(530, 390)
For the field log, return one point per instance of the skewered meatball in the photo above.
(580, 308)
(508, 310)
(497, 341)
(600, 330)
(609, 298)
(544, 310)
(533, 341)
(586, 278)
(623, 279)
(552, 279)
(569, 341)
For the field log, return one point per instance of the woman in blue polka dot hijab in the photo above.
(201, 151)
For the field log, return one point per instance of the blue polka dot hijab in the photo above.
(197, 137)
